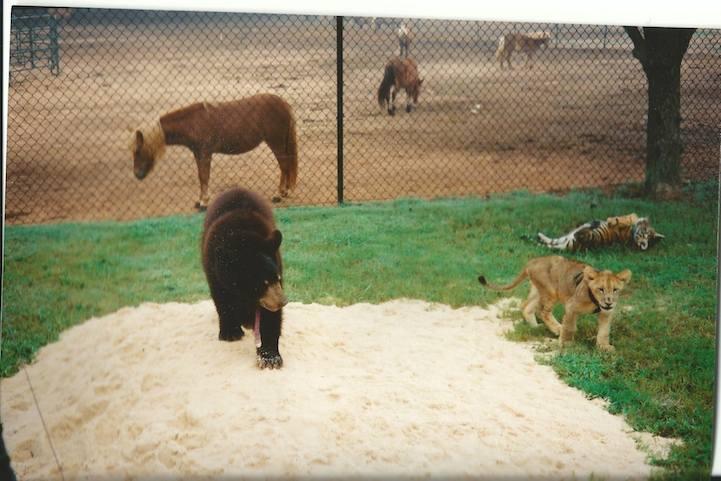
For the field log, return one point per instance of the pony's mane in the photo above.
(153, 139)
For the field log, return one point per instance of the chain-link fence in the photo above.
(573, 117)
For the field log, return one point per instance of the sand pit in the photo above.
(402, 388)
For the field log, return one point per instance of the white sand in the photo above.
(402, 388)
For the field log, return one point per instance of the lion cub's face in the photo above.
(605, 286)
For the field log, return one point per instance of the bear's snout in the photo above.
(274, 298)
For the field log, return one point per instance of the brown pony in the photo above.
(231, 127)
(399, 73)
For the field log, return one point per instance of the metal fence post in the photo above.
(31, 36)
(605, 35)
(339, 102)
(54, 60)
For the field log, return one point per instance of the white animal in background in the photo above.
(405, 36)
(528, 43)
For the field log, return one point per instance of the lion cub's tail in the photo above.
(521, 277)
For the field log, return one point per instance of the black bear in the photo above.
(242, 262)
(6, 471)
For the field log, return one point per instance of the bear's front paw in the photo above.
(231, 335)
(268, 359)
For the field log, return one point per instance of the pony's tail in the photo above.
(291, 150)
(521, 277)
(389, 77)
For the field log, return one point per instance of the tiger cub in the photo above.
(627, 229)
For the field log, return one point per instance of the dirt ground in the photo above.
(576, 119)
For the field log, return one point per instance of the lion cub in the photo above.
(580, 287)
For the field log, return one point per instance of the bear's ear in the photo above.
(275, 239)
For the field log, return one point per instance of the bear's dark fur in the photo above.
(242, 262)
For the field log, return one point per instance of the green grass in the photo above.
(660, 377)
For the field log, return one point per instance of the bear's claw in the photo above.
(270, 360)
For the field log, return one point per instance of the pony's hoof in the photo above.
(408, 109)
(201, 207)
(276, 199)
(391, 112)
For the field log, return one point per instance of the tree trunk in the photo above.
(660, 51)
(663, 129)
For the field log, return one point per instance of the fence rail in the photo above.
(573, 118)
(34, 42)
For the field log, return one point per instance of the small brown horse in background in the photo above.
(233, 127)
(399, 73)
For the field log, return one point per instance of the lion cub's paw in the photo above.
(606, 347)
